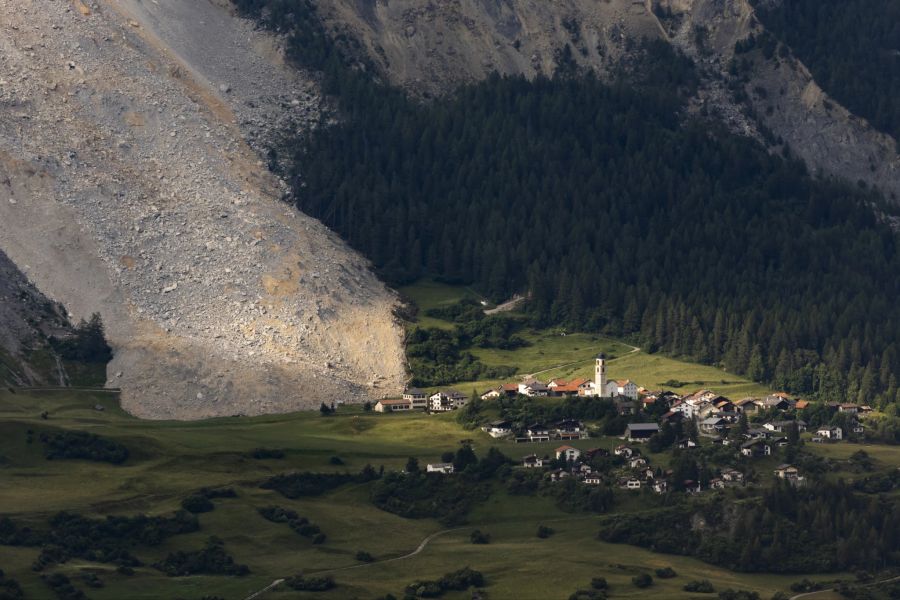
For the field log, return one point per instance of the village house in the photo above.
(622, 387)
(637, 462)
(567, 453)
(446, 400)
(595, 452)
(632, 483)
(726, 408)
(445, 468)
(558, 475)
(533, 461)
(510, 390)
(857, 428)
(576, 387)
(570, 429)
(713, 426)
(755, 448)
(640, 432)
(498, 429)
(784, 426)
(747, 406)
(385, 406)
(660, 486)
(801, 404)
(848, 408)
(778, 401)
(626, 451)
(492, 394)
(536, 432)
(758, 433)
(533, 389)
(717, 484)
(685, 443)
(788, 472)
(593, 479)
(416, 397)
(625, 406)
(732, 476)
(830, 433)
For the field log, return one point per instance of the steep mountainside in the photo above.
(432, 46)
(27, 320)
(126, 188)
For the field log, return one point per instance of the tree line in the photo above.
(615, 210)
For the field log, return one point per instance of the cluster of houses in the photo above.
(635, 472)
(416, 399)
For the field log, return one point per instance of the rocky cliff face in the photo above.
(126, 188)
(431, 46)
(27, 320)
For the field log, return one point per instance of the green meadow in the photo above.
(555, 353)
(169, 460)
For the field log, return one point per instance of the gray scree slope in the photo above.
(126, 188)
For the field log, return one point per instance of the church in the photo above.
(610, 388)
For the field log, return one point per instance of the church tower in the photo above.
(600, 376)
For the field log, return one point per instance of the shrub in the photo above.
(264, 453)
(336, 460)
(730, 594)
(126, 571)
(89, 579)
(218, 492)
(479, 537)
(197, 503)
(211, 560)
(62, 587)
(642, 581)
(700, 587)
(599, 583)
(666, 573)
(82, 445)
(319, 538)
(310, 584)
(544, 532)
(588, 595)
(456, 581)
(277, 514)
(363, 556)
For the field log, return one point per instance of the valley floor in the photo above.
(170, 460)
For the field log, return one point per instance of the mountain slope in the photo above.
(27, 320)
(431, 47)
(126, 187)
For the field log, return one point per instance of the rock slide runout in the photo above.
(126, 188)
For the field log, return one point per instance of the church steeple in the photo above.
(600, 375)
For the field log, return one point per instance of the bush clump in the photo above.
(642, 581)
(197, 503)
(480, 537)
(666, 573)
(310, 584)
(701, 587)
(457, 581)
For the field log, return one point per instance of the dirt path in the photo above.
(633, 350)
(419, 549)
(507, 306)
(807, 594)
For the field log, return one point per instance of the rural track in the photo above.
(633, 350)
(419, 549)
(874, 583)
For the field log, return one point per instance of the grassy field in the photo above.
(172, 459)
(555, 353)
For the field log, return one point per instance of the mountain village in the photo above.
(759, 427)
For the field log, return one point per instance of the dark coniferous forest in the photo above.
(618, 212)
(852, 48)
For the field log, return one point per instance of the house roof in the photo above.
(643, 427)
(392, 402)
(440, 465)
(744, 401)
(510, 387)
(712, 421)
(414, 391)
(623, 382)
(500, 423)
(784, 467)
(565, 448)
(801, 404)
